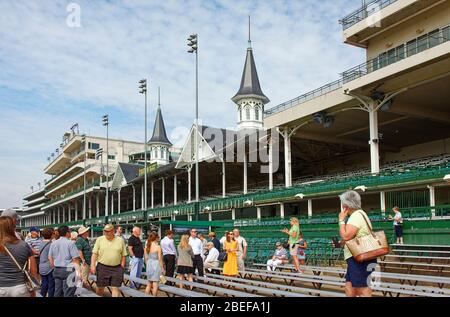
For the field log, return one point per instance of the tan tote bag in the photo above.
(368, 247)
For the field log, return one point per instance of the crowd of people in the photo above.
(63, 261)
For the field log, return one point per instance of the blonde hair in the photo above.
(184, 242)
(294, 220)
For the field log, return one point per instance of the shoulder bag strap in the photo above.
(367, 222)
(15, 261)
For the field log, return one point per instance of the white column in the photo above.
(374, 150)
(233, 213)
(90, 206)
(210, 217)
(134, 198)
(224, 180)
(287, 158)
(245, 173)
(152, 195)
(97, 205)
(142, 197)
(173, 218)
(282, 210)
(76, 210)
(189, 217)
(258, 212)
(383, 203)
(175, 188)
(189, 184)
(68, 213)
(112, 203)
(310, 211)
(118, 200)
(163, 192)
(270, 165)
(59, 214)
(432, 200)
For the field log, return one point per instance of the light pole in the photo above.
(106, 124)
(193, 44)
(143, 90)
(83, 139)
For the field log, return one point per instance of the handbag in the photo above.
(368, 247)
(32, 284)
(223, 256)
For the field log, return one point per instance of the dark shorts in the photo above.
(398, 231)
(358, 273)
(109, 275)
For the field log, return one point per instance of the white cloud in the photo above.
(76, 74)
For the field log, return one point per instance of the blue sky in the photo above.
(52, 75)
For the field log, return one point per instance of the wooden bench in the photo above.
(384, 288)
(125, 290)
(248, 287)
(309, 291)
(170, 291)
(440, 268)
(209, 288)
(317, 270)
(421, 251)
(82, 292)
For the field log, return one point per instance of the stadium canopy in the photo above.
(198, 224)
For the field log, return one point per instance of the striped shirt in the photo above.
(34, 243)
(280, 253)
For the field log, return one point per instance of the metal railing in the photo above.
(398, 53)
(364, 12)
(305, 97)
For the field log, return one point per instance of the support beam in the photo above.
(152, 198)
(112, 203)
(432, 200)
(310, 210)
(282, 210)
(270, 145)
(383, 203)
(189, 184)
(90, 206)
(364, 128)
(233, 214)
(258, 212)
(245, 173)
(420, 112)
(374, 141)
(76, 210)
(175, 190)
(142, 197)
(224, 180)
(134, 197)
(287, 158)
(118, 200)
(163, 192)
(97, 205)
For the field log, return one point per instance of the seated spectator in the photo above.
(279, 257)
(212, 260)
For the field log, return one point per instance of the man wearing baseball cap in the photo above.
(11, 213)
(108, 261)
(35, 242)
(82, 244)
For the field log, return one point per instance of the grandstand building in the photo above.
(382, 128)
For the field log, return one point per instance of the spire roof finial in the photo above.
(249, 34)
(159, 97)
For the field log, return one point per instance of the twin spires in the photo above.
(250, 98)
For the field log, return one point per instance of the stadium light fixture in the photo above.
(248, 202)
(361, 188)
(207, 209)
(300, 195)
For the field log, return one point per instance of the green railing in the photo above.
(364, 12)
(413, 47)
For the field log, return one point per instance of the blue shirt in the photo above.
(63, 251)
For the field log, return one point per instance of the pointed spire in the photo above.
(250, 87)
(159, 129)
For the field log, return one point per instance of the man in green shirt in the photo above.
(84, 249)
(108, 261)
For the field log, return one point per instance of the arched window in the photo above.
(247, 113)
(257, 113)
(240, 113)
(162, 152)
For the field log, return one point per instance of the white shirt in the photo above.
(397, 216)
(222, 240)
(168, 246)
(241, 244)
(213, 256)
(197, 245)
